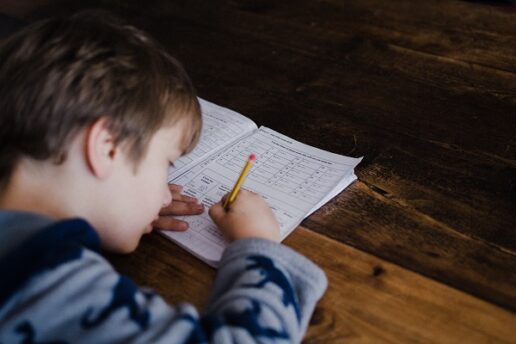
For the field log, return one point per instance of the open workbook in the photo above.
(295, 179)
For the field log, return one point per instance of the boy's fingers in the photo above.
(183, 198)
(217, 211)
(175, 187)
(170, 223)
(178, 196)
(182, 208)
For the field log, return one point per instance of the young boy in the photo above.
(92, 113)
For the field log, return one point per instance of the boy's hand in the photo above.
(180, 205)
(247, 217)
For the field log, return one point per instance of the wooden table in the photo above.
(422, 248)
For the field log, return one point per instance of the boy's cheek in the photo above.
(132, 245)
(125, 241)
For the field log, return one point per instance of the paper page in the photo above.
(294, 179)
(221, 126)
(336, 190)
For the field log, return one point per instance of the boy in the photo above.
(91, 115)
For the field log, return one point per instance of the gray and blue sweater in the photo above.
(56, 288)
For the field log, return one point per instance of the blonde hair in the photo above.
(59, 75)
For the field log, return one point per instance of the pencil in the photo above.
(240, 181)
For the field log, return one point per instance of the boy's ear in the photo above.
(100, 149)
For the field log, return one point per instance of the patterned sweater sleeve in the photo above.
(264, 292)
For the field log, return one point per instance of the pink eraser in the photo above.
(252, 157)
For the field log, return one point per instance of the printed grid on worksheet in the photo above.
(288, 172)
(290, 179)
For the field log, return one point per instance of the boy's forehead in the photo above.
(173, 134)
(177, 135)
(184, 125)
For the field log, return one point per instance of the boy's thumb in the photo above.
(216, 212)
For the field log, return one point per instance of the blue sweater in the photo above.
(56, 288)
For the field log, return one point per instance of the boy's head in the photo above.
(73, 89)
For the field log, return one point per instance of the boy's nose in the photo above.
(168, 196)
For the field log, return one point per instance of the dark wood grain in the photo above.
(425, 91)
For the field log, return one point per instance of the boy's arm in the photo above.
(266, 289)
(264, 292)
(261, 285)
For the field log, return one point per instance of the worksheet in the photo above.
(295, 179)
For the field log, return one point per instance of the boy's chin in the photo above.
(132, 245)
(128, 246)
(148, 229)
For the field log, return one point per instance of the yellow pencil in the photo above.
(240, 181)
